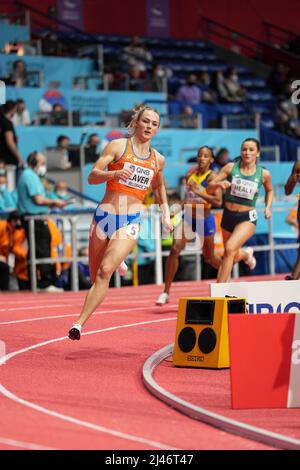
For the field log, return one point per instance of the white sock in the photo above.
(77, 326)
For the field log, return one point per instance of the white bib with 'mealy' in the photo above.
(243, 188)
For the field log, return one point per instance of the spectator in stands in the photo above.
(208, 94)
(21, 116)
(218, 85)
(18, 76)
(189, 93)
(32, 200)
(7, 201)
(8, 140)
(289, 187)
(189, 119)
(50, 44)
(136, 79)
(234, 92)
(221, 159)
(9, 230)
(136, 53)
(157, 79)
(61, 192)
(286, 105)
(63, 144)
(91, 150)
(278, 79)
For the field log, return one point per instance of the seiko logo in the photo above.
(195, 358)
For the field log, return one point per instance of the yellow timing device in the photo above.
(202, 331)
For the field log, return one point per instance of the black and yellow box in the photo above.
(202, 331)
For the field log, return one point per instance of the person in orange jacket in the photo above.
(13, 240)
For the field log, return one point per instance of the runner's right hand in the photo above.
(122, 174)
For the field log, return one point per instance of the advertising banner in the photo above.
(158, 18)
(265, 361)
(263, 297)
(71, 12)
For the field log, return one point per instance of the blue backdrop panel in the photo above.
(176, 145)
(59, 69)
(12, 33)
(91, 104)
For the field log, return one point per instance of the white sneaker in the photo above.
(163, 299)
(53, 289)
(251, 261)
(123, 268)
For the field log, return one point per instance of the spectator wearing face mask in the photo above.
(190, 93)
(156, 81)
(32, 200)
(7, 200)
(234, 91)
(61, 192)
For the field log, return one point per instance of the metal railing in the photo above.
(158, 254)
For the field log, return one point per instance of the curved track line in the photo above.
(12, 322)
(79, 422)
(24, 445)
(208, 417)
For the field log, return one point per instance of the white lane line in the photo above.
(110, 297)
(24, 445)
(39, 307)
(99, 312)
(8, 394)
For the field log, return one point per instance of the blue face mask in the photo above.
(2, 187)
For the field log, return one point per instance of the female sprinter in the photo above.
(242, 180)
(132, 167)
(196, 201)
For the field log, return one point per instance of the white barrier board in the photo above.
(263, 296)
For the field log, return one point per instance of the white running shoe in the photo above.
(163, 299)
(52, 289)
(251, 261)
(123, 268)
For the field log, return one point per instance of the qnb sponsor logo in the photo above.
(2, 352)
(291, 307)
(296, 352)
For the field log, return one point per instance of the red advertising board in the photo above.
(265, 360)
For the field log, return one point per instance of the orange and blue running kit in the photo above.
(143, 169)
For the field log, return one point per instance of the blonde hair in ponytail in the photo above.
(137, 114)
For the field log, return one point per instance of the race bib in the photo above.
(253, 215)
(243, 188)
(132, 230)
(141, 177)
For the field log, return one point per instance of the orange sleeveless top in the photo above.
(143, 172)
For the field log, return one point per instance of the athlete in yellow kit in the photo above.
(197, 218)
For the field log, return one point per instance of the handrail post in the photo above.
(74, 269)
(158, 250)
(271, 244)
(33, 282)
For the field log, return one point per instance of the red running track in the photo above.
(59, 394)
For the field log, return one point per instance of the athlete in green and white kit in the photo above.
(241, 181)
